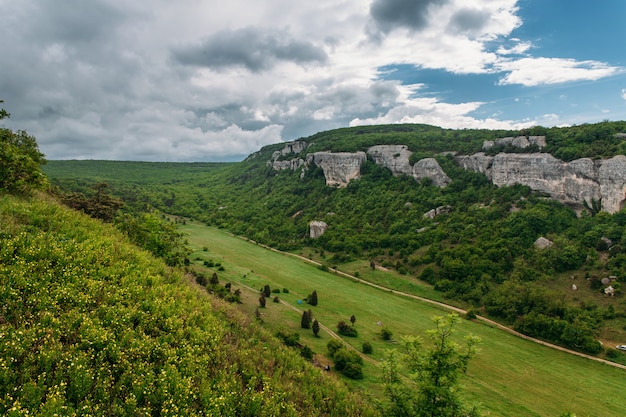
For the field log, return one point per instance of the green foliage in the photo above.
(305, 322)
(346, 361)
(386, 333)
(345, 329)
(367, 348)
(151, 232)
(312, 298)
(316, 328)
(92, 325)
(20, 161)
(101, 205)
(435, 369)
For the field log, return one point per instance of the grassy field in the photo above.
(509, 377)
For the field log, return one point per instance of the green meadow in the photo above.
(509, 377)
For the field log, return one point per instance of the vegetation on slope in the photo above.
(480, 253)
(92, 325)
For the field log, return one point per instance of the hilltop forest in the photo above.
(479, 255)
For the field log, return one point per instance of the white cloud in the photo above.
(117, 80)
(624, 93)
(540, 71)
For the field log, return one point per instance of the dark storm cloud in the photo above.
(410, 14)
(468, 21)
(252, 48)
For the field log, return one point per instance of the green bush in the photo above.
(367, 348)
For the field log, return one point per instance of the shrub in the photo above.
(276, 299)
(306, 352)
(345, 329)
(386, 333)
(367, 348)
(286, 290)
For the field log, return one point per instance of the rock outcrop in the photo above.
(579, 181)
(521, 142)
(479, 162)
(612, 179)
(565, 182)
(429, 168)
(393, 157)
(396, 159)
(290, 148)
(339, 167)
(317, 228)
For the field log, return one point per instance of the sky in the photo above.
(208, 80)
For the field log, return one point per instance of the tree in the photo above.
(305, 322)
(316, 328)
(352, 319)
(312, 298)
(267, 291)
(262, 300)
(435, 369)
(20, 160)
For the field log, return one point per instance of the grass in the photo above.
(510, 376)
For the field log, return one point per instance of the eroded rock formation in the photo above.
(317, 228)
(579, 181)
(339, 167)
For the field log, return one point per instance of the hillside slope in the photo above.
(472, 240)
(91, 325)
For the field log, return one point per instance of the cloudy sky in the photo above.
(208, 80)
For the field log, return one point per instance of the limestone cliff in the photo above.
(429, 168)
(340, 167)
(393, 157)
(579, 181)
(396, 159)
(612, 179)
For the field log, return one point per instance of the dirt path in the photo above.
(443, 305)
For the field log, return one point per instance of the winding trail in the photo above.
(437, 303)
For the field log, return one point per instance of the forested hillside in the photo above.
(92, 325)
(480, 253)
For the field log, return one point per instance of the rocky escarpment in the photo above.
(518, 142)
(396, 159)
(579, 181)
(575, 183)
(340, 167)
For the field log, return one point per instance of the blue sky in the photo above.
(198, 80)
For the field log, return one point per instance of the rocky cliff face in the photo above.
(429, 168)
(612, 179)
(393, 157)
(396, 159)
(340, 167)
(576, 182)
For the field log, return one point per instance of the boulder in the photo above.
(317, 228)
(542, 243)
